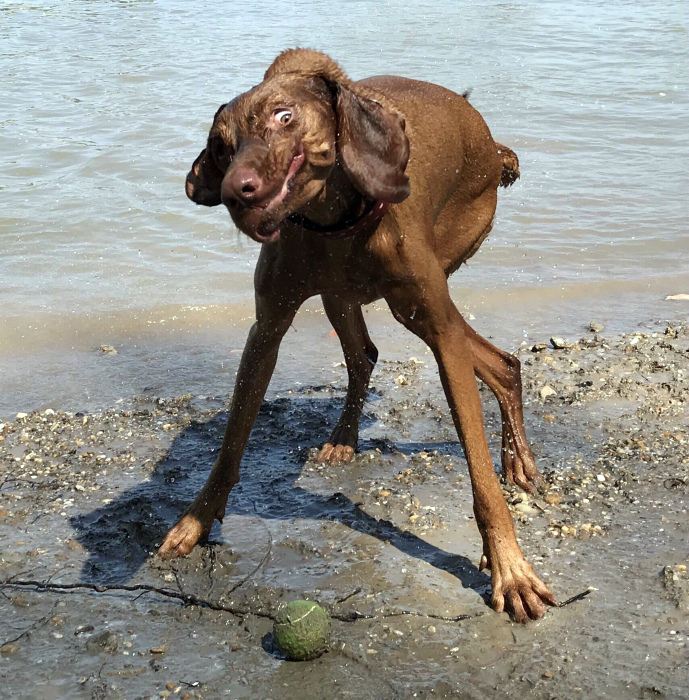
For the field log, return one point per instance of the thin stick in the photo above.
(575, 598)
(191, 599)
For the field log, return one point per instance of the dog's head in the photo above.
(271, 149)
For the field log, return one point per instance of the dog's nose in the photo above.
(242, 185)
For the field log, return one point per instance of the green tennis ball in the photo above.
(302, 630)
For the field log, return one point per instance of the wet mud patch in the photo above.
(386, 543)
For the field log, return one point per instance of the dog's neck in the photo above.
(339, 201)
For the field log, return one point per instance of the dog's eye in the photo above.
(282, 116)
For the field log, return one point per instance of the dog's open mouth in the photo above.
(268, 230)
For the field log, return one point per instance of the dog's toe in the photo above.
(335, 454)
(182, 538)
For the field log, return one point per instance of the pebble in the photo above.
(525, 508)
(8, 649)
(401, 380)
(677, 297)
(105, 641)
(596, 327)
(547, 391)
(600, 477)
(107, 350)
(539, 347)
(560, 343)
(676, 584)
(431, 629)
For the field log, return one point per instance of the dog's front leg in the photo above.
(423, 305)
(274, 317)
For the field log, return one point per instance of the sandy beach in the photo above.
(387, 544)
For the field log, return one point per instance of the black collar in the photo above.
(371, 216)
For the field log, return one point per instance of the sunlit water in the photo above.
(106, 104)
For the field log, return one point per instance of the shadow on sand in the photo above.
(121, 535)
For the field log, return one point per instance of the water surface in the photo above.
(106, 104)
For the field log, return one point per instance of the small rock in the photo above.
(539, 347)
(21, 415)
(676, 582)
(8, 649)
(547, 391)
(402, 380)
(105, 641)
(525, 508)
(83, 629)
(163, 649)
(107, 350)
(431, 629)
(552, 499)
(596, 327)
(677, 297)
(560, 343)
(548, 674)
(600, 478)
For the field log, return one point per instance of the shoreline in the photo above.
(55, 361)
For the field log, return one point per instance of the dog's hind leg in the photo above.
(502, 373)
(360, 355)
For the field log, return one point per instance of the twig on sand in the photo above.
(358, 589)
(35, 626)
(260, 564)
(191, 599)
(575, 598)
(184, 598)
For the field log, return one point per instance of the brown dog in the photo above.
(362, 191)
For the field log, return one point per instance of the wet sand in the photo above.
(387, 544)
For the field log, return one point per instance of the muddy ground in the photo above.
(388, 543)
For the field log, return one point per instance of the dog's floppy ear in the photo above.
(204, 181)
(205, 177)
(373, 147)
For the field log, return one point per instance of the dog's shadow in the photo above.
(121, 535)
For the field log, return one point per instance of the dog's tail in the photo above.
(510, 165)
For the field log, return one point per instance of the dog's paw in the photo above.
(183, 537)
(519, 467)
(335, 454)
(516, 588)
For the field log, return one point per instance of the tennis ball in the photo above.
(302, 630)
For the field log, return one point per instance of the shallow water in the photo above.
(107, 103)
